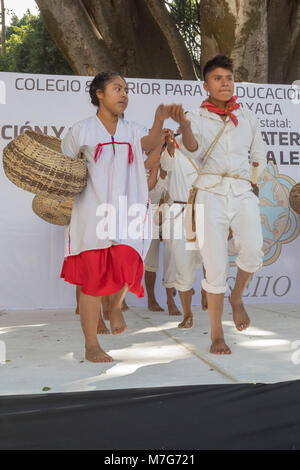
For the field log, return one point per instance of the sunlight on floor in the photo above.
(68, 357)
(266, 343)
(136, 356)
(9, 329)
(152, 329)
(251, 331)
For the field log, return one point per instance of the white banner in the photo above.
(31, 251)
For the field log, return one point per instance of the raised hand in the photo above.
(163, 112)
(178, 115)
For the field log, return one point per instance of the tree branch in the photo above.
(175, 41)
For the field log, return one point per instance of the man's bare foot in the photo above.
(204, 300)
(153, 306)
(173, 309)
(240, 316)
(219, 346)
(117, 322)
(124, 306)
(96, 354)
(187, 322)
(101, 327)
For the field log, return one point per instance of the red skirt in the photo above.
(106, 271)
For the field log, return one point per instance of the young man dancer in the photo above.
(224, 188)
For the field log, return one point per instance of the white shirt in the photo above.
(233, 154)
(156, 193)
(110, 178)
(182, 173)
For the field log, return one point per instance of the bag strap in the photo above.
(213, 144)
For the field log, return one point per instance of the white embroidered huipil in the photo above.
(224, 190)
(112, 180)
(182, 172)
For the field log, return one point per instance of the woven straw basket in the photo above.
(295, 198)
(54, 212)
(34, 162)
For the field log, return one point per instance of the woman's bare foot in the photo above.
(124, 306)
(240, 316)
(101, 327)
(187, 322)
(154, 306)
(117, 322)
(219, 346)
(204, 300)
(96, 354)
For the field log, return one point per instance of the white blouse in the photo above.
(113, 184)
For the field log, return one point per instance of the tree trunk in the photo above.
(119, 35)
(3, 38)
(284, 40)
(237, 29)
(169, 29)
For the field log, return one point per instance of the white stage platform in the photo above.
(44, 349)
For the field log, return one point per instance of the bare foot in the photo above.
(204, 300)
(101, 327)
(219, 346)
(124, 306)
(153, 306)
(173, 309)
(240, 316)
(96, 354)
(117, 322)
(187, 322)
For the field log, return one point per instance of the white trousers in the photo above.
(242, 214)
(152, 262)
(185, 261)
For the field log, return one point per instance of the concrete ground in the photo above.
(44, 350)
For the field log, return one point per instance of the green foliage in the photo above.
(186, 14)
(30, 48)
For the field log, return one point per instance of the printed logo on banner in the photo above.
(280, 224)
(2, 92)
(296, 87)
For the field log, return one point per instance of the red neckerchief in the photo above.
(230, 106)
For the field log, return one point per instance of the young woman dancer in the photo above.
(104, 254)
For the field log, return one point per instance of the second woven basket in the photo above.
(54, 212)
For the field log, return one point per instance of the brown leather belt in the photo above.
(179, 202)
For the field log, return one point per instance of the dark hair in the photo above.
(99, 83)
(218, 61)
